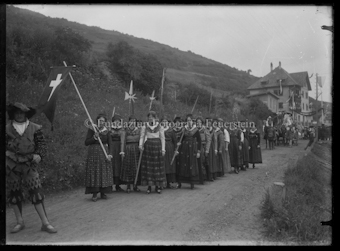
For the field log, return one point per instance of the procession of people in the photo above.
(158, 154)
(161, 153)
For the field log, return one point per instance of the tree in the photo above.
(256, 108)
(131, 64)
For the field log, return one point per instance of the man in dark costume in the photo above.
(25, 148)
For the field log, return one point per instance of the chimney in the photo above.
(279, 64)
(271, 66)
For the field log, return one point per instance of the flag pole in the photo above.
(194, 105)
(88, 115)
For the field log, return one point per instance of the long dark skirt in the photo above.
(245, 152)
(98, 171)
(212, 162)
(116, 162)
(188, 170)
(203, 165)
(170, 170)
(234, 152)
(224, 162)
(130, 163)
(152, 167)
(255, 155)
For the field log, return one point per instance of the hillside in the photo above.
(223, 77)
(34, 43)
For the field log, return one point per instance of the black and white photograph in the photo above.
(167, 124)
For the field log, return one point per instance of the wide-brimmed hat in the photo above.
(12, 108)
(116, 117)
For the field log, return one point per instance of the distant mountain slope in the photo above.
(223, 77)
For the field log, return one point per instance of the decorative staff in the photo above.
(113, 112)
(152, 98)
(162, 90)
(131, 97)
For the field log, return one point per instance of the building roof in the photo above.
(301, 78)
(263, 93)
(288, 79)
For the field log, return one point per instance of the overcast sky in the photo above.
(241, 36)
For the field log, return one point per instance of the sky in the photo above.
(241, 36)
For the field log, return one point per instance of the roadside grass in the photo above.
(304, 207)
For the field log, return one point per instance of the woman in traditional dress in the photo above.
(130, 161)
(223, 147)
(235, 148)
(225, 129)
(245, 147)
(117, 134)
(255, 155)
(205, 145)
(178, 129)
(189, 154)
(211, 151)
(98, 172)
(240, 137)
(152, 145)
(170, 147)
(220, 148)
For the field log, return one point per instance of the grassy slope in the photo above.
(308, 201)
(63, 167)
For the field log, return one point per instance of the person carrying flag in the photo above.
(98, 172)
(25, 149)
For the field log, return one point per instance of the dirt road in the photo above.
(224, 212)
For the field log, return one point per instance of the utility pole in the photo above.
(317, 108)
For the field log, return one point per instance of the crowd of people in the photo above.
(289, 134)
(191, 151)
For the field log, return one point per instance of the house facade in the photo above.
(291, 90)
(269, 99)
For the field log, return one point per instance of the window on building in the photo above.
(306, 95)
(280, 105)
(302, 94)
(303, 106)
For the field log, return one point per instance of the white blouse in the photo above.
(151, 135)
